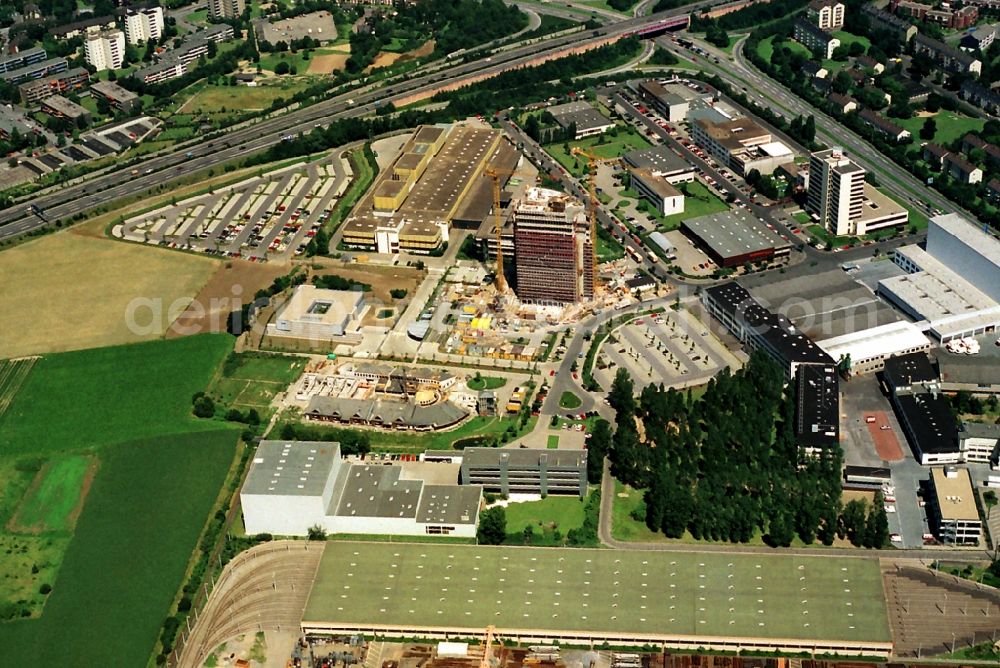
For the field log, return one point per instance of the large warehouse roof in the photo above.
(885, 340)
(420, 588)
(731, 234)
(299, 468)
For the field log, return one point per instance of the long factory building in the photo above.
(437, 181)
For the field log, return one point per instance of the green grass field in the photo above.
(139, 526)
(699, 201)
(552, 512)
(569, 400)
(394, 441)
(159, 471)
(12, 376)
(486, 383)
(604, 146)
(88, 398)
(950, 126)
(600, 591)
(213, 99)
(52, 501)
(552, 441)
(846, 39)
(269, 61)
(254, 380)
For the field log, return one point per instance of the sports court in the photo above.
(806, 602)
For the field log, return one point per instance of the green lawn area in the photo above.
(554, 511)
(269, 61)
(608, 249)
(569, 400)
(89, 398)
(950, 126)
(12, 376)
(129, 554)
(199, 16)
(125, 410)
(765, 48)
(604, 146)
(252, 380)
(486, 383)
(601, 591)
(802, 218)
(826, 238)
(552, 441)
(212, 99)
(699, 201)
(846, 39)
(51, 500)
(394, 441)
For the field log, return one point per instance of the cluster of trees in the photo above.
(492, 528)
(454, 24)
(728, 465)
(334, 282)
(352, 441)
(965, 403)
(748, 16)
(864, 526)
(716, 35)
(206, 68)
(516, 87)
(544, 129)
(763, 184)
(294, 45)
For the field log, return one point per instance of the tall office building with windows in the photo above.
(836, 190)
(553, 251)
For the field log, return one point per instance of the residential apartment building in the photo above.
(525, 470)
(954, 19)
(68, 81)
(117, 97)
(826, 14)
(987, 99)
(553, 250)
(883, 125)
(948, 57)
(981, 38)
(962, 170)
(35, 70)
(883, 20)
(16, 61)
(953, 507)
(226, 9)
(143, 25)
(105, 49)
(814, 39)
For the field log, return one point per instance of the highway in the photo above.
(247, 140)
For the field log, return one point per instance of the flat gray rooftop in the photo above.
(732, 233)
(525, 457)
(295, 468)
(823, 305)
(658, 159)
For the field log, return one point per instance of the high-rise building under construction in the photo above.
(553, 253)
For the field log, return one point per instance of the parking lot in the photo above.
(271, 217)
(673, 348)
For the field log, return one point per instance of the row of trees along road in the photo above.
(727, 465)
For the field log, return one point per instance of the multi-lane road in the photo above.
(249, 139)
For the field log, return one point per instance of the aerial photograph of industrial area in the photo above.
(500, 333)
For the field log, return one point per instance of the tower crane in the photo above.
(488, 640)
(593, 161)
(495, 173)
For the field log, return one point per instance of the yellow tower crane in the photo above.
(495, 174)
(592, 162)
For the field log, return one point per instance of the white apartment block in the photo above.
(836, 190)
(105, 50)
(226, 9)
(144, 25)
(826, 15)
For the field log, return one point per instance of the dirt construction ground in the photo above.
(67, 291)
(328, 63)
(233, 284)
